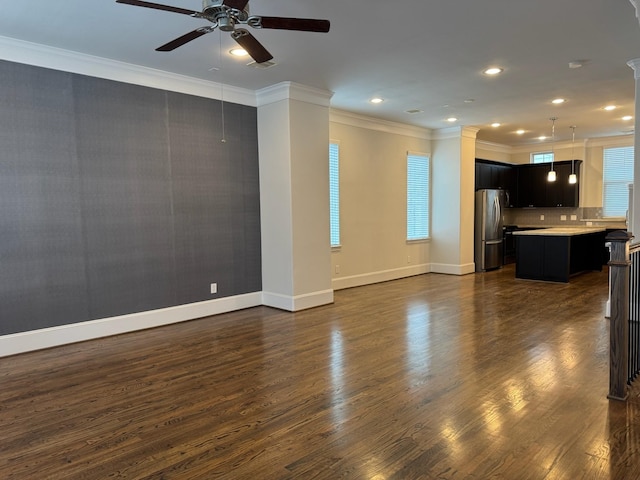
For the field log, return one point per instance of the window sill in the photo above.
(419, 240)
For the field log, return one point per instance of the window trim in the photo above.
(548, 157)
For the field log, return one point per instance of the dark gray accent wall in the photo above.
(117, 198)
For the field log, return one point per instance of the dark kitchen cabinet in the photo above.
(535, 191)
(527, 186)
(567, 194)
(490, 174)
(532, 185)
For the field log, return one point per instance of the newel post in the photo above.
(619, 327)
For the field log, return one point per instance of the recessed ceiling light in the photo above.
(626, 118)
(542, 137)
(376, 100)
(520, 132)
(469, 100)
(238, 52)
(452, 119)
(495, 125)
(558, 101)
(608, 108)
(493, 71)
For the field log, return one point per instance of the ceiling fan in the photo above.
(226, 15)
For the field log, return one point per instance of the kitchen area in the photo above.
(521, 218)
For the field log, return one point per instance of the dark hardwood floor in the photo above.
(430, 377)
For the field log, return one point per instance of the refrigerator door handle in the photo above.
(496, 217)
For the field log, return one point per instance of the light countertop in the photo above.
(561, 231)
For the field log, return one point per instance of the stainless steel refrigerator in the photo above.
(489, 245)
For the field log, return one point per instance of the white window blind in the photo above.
(334, 193)
(617, 174)
(542, 157)
(417, 196)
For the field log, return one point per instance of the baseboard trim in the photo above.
(299, 302)
(78, 332)
(452, 269)
(381, 276)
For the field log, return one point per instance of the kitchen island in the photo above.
(555, 254)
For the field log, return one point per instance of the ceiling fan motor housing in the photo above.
(225, 17)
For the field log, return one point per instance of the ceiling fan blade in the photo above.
(157, 6)
(237, 4)
(178, 42)
(253, 47)
(302, 24)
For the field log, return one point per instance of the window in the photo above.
(617, 174)
(417, 196)
(542, 157)
(334, 193)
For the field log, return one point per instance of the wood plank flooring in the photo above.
(430, 377)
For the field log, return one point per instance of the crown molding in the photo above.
(635, 65)
(636, 4)
(355, 120)
(456, 132)
(618, 141)
(494, 147)
(38, 55)
(293, 91)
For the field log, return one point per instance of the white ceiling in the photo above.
(416, 54)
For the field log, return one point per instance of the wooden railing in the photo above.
(619, 345)
(634, 313)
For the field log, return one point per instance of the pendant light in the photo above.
(573, 178)
(551, 176)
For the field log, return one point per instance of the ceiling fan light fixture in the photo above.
(238, 52)
(493, 71)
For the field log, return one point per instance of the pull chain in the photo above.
(223, 140)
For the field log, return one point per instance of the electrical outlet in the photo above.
(574, 217)
(563, 218)
(541, 217)
(214, 288)
(337, 269)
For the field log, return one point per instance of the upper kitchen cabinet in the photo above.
(490, 174)
(535, 191)
(532, 185)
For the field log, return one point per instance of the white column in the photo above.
(453, 201)
(634, 218)
(293, 142)
(636, 3)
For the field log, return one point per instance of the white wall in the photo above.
(373, 193)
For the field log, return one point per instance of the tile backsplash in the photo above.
(558, 216)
